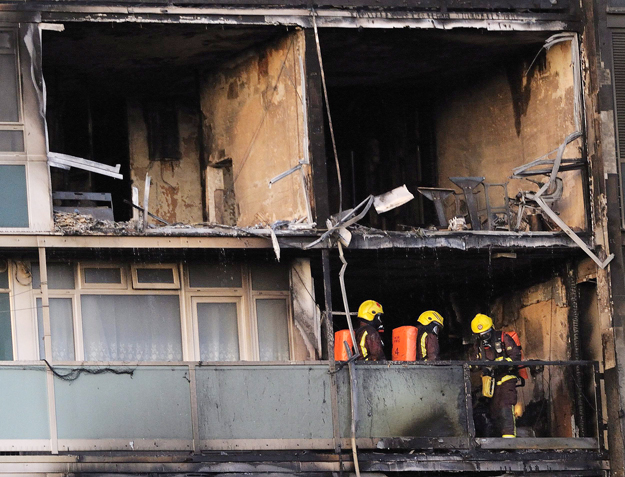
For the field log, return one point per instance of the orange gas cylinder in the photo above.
(405, 343)
(340, 354)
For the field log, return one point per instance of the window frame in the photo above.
(9, 291)
(244, 297)
(241, 328)
(83, 285)
(19, 124)
(136, 285)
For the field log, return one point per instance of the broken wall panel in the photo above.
(176, 193)
(253, 131)
(507, 118)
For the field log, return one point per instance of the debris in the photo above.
(65, 161)
(149, 213)
(457, 223)
(71, 223)
(392, 199)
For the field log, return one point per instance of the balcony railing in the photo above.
(193, 406)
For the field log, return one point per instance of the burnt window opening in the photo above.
(161, 120)
(418, 107)
(133, 95)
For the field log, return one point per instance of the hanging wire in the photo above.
(327, 102)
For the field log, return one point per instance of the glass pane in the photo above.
(11, 141)
(273, 330)
(214, 275)
(13, 200)
(61, 329)
(4, 276)
(155, 275)
(6, 341)
(60, 276)
(103, 275)
(218, 331)
(9, 100)
(131, 327)
(270, 277)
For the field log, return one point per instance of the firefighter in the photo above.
(499, 382)
(368, 336)
(429, 324)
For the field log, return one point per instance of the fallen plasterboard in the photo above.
(65, 161)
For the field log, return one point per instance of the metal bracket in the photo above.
(437, 195)
(468, 185)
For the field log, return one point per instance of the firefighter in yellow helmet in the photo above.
(499, 382)
(429, 325)
(368, 337)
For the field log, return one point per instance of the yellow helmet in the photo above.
(429, 316)
(369, 309)
(481, 324)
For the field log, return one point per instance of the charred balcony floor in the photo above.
(579, 462)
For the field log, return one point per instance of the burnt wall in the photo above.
(539, 315)
(254, 130)
(502, 118)
(175, 192)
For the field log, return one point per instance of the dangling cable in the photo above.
(325, 94)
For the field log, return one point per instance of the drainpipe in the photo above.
(573, 300)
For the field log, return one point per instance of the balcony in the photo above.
(198, 408)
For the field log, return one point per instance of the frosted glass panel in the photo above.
(60, 276)
(61, 329)
(218, 331)
(214, 275)
(270, 276)
(103, 275)
(11, 141)
(13, 200)
(131, 327)
(9, 99)
(273, 330)
(6, 341)
(155, 275)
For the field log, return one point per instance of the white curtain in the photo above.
(273, 330)
(218, 331)
(131, 327)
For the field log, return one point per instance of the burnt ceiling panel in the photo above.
(409, 56)
(127, 54)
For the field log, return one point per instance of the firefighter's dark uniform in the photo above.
(505, 396)
(427, 343)
(369, 343)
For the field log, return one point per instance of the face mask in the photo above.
(485, 337)
(377, 323)
(435, 330)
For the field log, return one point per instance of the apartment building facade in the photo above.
(192, 205)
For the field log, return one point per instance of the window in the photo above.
(218, 328)
(131, 327)
(60, 276)
(157, 276)
(273, 329)
(6, 334)
(13, 197)
(222, 311)
(214, 275)
(99, 275)
(61, 329)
